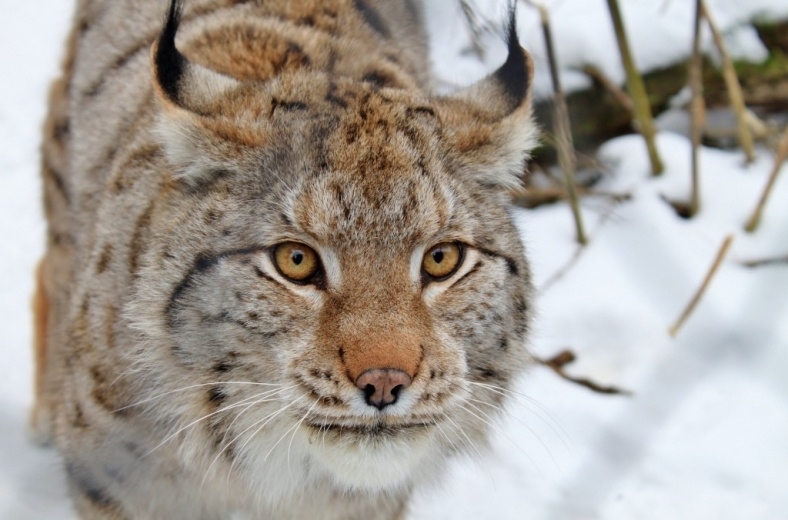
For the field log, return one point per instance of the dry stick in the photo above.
(474, 27)
(637, 90)
(565, 357)
(562, 130)
(702, 289)
(697, 110)
(600, 77)
(535, 197)
(734, 88)
(766, 261)
(782, 151)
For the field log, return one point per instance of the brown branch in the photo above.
(702, 289)
(734, 87)
(697, 110)
(637, 89)
(782, 152)
(472, 21)
(605, 82)
(766, 261)
(563, 129)
(565, 357)
(535, 197)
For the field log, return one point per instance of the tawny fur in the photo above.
(180, 374)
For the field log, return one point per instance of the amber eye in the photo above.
(442, 260)
(295, 261)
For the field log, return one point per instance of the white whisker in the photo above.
(553, 424)
(290, 445)
(490, 423)
(470, 442)
(194, 422)
(264, 398)
(531, 430)
(159, 396)
(265, 420)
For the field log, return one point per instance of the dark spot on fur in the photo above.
(488, 373)
(203, 262)
(78, 420)
(333, 96)
(137, 240)
(330, 400)
(61, 129)
(289, 106)
(51, 173)
(379, 80)
(216, 395)
(104, 259)
(85, 484)
(372, 18)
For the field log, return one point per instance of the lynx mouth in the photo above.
(378, 429)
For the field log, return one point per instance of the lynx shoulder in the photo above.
(281, 279)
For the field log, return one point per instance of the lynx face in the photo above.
(326, 296)
(349, 243)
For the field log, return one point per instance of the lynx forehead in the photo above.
(281, 279)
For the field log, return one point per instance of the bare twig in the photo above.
(472, 21)
(600, 77)
(766, 261)
(535, 197)
(563, 129)
(734, 88)
(637, 89)
(702, 289)
(565, 357)
(782, 151)
(697, 110)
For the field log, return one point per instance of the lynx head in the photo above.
(346, 241)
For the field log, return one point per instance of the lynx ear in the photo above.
(176, 80)
(490, 123)
(186, 91)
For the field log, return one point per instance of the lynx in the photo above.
(281, 277)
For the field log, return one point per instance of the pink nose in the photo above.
(382, 386)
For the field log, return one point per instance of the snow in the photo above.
(659, 32)
(704, 433)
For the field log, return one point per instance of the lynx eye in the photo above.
(296, 262)
(442, 260)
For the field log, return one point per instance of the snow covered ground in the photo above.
(704, 434)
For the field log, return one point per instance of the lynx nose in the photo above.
(382, 386)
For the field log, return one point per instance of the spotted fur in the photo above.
(180, 374)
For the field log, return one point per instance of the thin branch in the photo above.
(697, 109)
(476, 29)
(734, 87)
(608, 84)
(637, 89)
(563, 129)
(766, 261)
(782, 152)
(565, 357)
(535, 197)
(705, 285)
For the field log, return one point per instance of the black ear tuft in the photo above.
(170, 64)
(514, 75)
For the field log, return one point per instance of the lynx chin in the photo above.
(281, 276)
